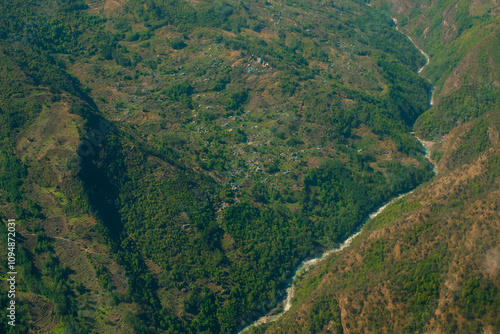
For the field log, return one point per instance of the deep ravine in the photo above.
(306, 264)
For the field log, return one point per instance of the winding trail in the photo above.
(306, 264)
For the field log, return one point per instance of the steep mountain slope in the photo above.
(462, 40)
(169, 163)
(429, 263)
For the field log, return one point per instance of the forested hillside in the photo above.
(170, 163)
(429, 263)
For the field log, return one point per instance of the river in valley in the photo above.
(277, 312)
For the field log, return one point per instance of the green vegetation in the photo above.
(248, 137)
(420, 266)
(326, 313)
(472, 49)
(399, 279)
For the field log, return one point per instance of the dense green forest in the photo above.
(424, 265)
(396, 275)
(471, 48)
(209, 147)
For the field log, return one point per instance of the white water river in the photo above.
(306, 264)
